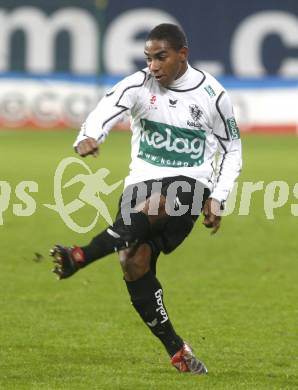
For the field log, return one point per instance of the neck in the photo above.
(182, 71)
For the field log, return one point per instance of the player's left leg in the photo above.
(146, 294)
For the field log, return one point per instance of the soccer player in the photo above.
(186, 156)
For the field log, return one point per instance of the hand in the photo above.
(212, 213)
(87, 146)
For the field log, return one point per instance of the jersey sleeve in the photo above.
(229, 162)
(111, 108)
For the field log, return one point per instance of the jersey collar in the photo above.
(190, 80)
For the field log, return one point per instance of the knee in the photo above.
(135, 263)
(126, 258)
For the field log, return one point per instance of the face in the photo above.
(165, 63)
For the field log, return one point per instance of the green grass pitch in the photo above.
(233, 296)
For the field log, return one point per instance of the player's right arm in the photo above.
(110, 110)
(87, 146)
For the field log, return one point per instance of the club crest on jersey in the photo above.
(196, 115)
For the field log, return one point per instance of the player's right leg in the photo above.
(119, 236)
(66, 260)
(113, 239)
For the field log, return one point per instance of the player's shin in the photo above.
(147, 298)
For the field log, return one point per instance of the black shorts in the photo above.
(185, 198)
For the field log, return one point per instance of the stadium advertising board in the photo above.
(256, 40)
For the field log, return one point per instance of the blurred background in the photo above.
(58, 58)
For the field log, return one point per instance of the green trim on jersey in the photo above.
(171, 146)
(233, 128)
(210, 91)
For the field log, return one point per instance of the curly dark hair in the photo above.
(171, 33)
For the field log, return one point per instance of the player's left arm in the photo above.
(229, 162)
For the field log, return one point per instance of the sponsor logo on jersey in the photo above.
(152, 101)
(196, 114)
(167, 145)
(172, 103)
(233, 128)
(210, 91)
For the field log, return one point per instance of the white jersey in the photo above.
(185, 129)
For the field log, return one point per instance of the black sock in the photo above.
(116, 237)
(100, 246)
(147, 298)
